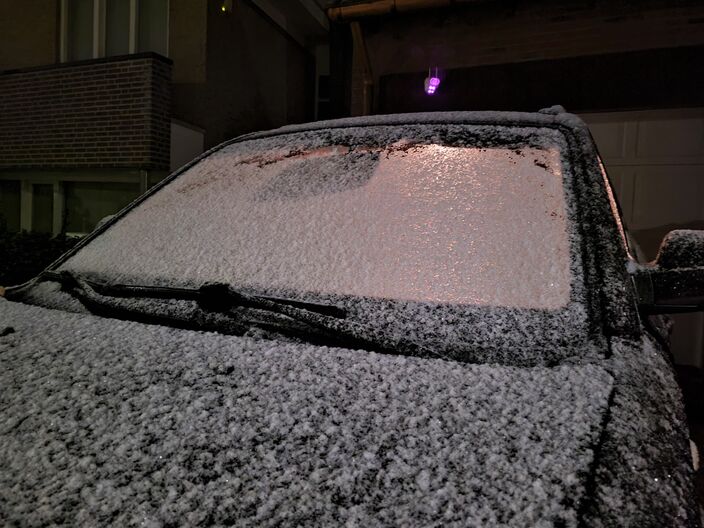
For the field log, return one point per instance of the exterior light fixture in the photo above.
(226, 6)
(431, 82)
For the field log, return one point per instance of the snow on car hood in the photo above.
(112, 422)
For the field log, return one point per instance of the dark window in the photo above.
(324, 110)
(153, 25)
(9, 205)
(324, 87)
(89, 202)
(42, 208)
(117, 27)
(80, 29)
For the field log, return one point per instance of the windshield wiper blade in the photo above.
(322, 324)
(216, 297)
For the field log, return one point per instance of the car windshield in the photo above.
(420, 225)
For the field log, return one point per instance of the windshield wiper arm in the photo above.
(323, 322)
(216, 297)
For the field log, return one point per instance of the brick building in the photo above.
(100, 99)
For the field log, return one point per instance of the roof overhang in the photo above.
(382, 7)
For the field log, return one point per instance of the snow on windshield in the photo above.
(407, 220)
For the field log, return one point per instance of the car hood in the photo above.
(114, 422)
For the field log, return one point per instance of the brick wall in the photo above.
(100, 113)
(489, 33)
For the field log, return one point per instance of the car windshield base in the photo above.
(221, 308)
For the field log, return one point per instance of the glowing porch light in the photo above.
(431, 82)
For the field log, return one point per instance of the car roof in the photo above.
(552, 116)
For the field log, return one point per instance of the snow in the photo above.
(472, 118)
(428, 223)
(644, 477)
(682, 248)
(392, 223)
(107, 422)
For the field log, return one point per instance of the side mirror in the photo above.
(674, 283)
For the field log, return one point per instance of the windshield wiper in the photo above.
(312, 322)
(216, 297)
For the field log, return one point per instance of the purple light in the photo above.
(431, 85)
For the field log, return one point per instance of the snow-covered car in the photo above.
(417, 320)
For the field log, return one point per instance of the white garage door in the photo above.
(656, 162)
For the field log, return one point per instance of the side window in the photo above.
(91, 29)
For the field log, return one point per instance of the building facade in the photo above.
(100, 99)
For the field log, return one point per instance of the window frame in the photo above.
(57, 179)
(100, 31)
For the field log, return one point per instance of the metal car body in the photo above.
(426, 319)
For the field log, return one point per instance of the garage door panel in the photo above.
(670, 138)
(609, 139)
(667, 195)
(687, 338)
